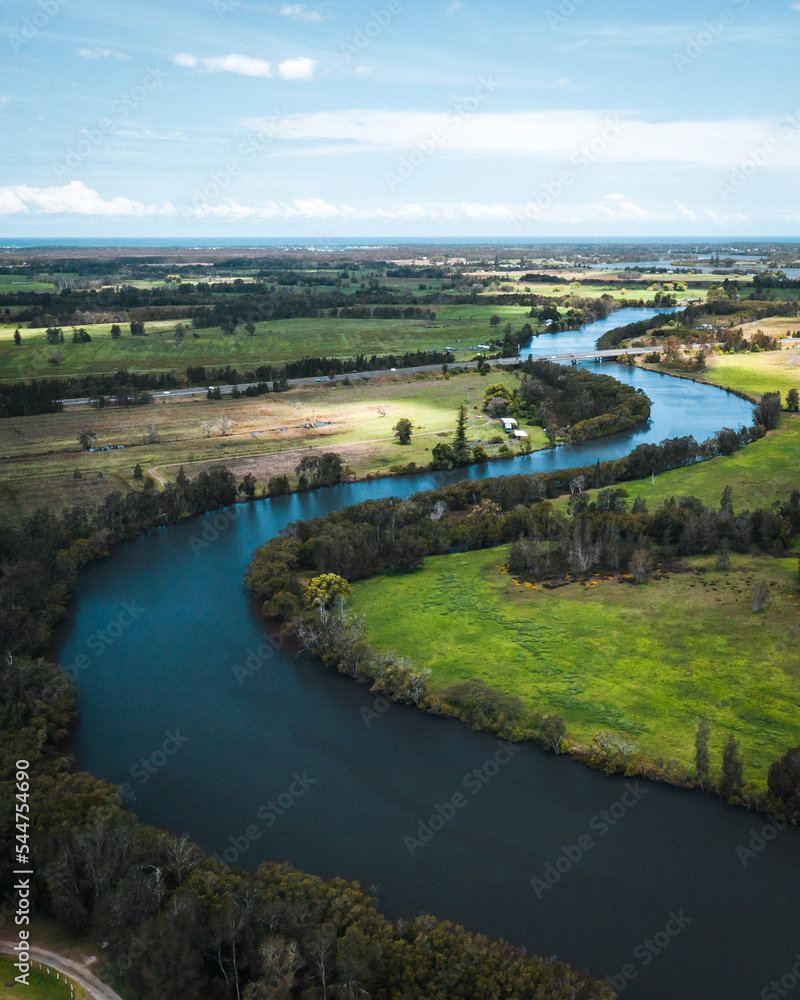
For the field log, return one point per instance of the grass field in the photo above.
(610, 655)
(770, 371)
(460, 327)
(39, 456)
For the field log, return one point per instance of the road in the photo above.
(76, 971)
(227, 389)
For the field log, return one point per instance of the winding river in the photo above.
(260, 754)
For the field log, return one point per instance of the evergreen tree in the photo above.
(732, 768)
(137, 471)
(701, 758)
(17, 338)
(461, 445)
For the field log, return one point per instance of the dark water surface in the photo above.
(265, 755)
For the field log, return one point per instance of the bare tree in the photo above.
(641, 564)
(577, 485)
(206, 426)
(226, 425)
(150, 434)
(438, 510)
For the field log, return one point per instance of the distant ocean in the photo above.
(355, 243)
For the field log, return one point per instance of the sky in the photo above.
(399, 118)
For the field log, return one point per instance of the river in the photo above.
(205, 748)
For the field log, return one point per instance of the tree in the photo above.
(701, 756)
(248, 486)
(17, 338)
(87, 439)
(116, 333)
(732, 768)
(278, 486)
(225, 425)
(251, 328)
(461, 445)
(783, 778)
(307, 469)
(641, 564)
(768, 411)
(137, 328)
(494, 321)
(137, 471)
(724, 554)
(443, 456)
(402, 430)
(553, 730)
(792, 400)
(495, 390)
(54, 357)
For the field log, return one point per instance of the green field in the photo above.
(647, 660)
(41, 986)
(459, 327)
(771, 371)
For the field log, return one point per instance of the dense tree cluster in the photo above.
(584, 404)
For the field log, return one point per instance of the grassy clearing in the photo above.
(770, 371)
(610, 655)
(39, 455)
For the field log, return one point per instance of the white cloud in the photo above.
(101, 54)
(235, 63)
(453, 7)
(301, 68)
(11, 203)
(365, 70)
(577, 137)
(4, 100)
(686, 212)
(185, 59)
(73, 199)
(299, 12)
(795, 6)
(78, 199)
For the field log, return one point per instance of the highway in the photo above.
(227, 389)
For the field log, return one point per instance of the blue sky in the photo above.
(570, 118)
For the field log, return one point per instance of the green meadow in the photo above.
(648, 660)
